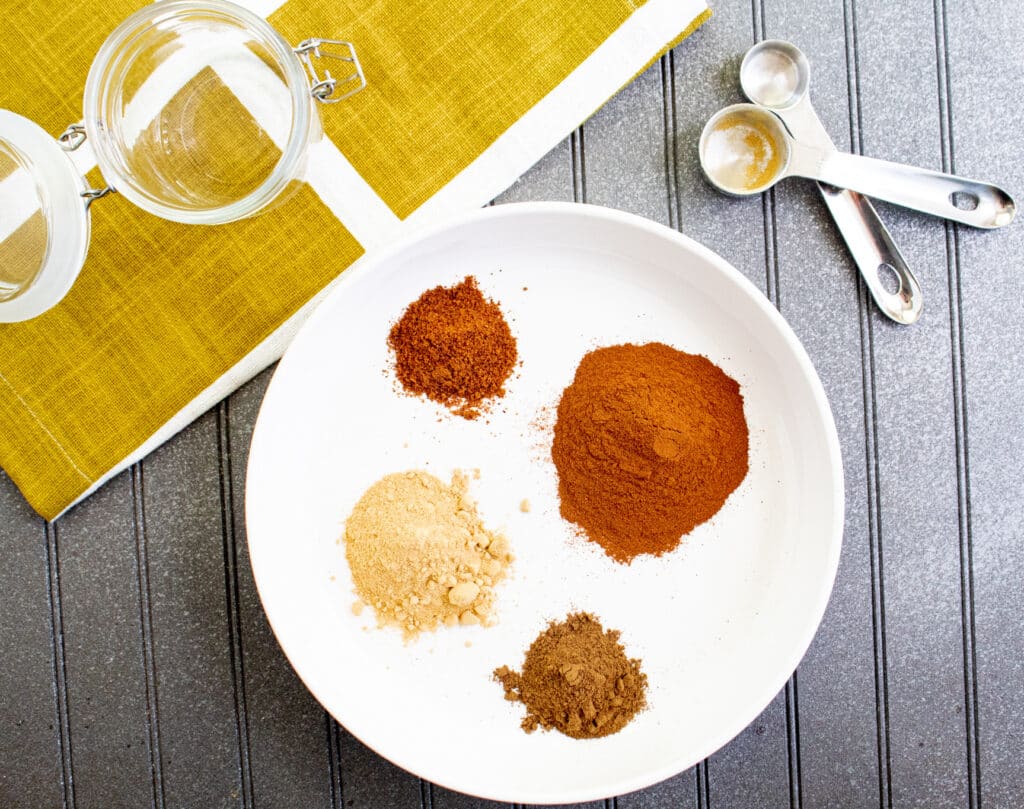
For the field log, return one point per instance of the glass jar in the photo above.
(197, 112)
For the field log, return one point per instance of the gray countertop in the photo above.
(138, 669)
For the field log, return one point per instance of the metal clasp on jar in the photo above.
(72, 139)
(326, 88)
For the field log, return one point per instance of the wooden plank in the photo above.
(688, 788)
(369, 781)
(624, 149)
(110, 713)
(202, 734)
(447, 799)
(981, 48)
(30, 739)
(550, 179)
(898, 116)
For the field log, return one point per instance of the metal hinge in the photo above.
(325, 87)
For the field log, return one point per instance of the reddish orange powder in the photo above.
(649, 443)
(454, 346)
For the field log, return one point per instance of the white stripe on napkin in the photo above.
(349, 196)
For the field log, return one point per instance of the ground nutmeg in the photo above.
(577, 679)
(455, 347)
(649, 443)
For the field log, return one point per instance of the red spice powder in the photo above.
(455, 347)
(649, 443)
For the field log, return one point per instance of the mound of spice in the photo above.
(421, 557)
(649, 442)
(577, 679)
(454, 346)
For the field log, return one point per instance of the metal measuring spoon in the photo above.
(776, 75)
(745, 149)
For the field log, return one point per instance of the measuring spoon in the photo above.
(776, 75)
(745, 149)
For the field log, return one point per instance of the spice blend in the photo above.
(454, 346)
(649, 443)
(577, 679)
(421, 557)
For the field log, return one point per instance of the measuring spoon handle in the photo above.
(961, 200)
(875, 253)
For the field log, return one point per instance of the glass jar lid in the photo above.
(44, 219)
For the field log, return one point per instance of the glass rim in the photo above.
(59, 188)
(98, 85)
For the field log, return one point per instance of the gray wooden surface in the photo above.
(138, 669)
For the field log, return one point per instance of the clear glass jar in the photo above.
(197, 112)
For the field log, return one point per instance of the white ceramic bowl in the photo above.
(719, 624)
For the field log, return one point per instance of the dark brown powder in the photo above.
(454, 346)
(577, 679)
(649, 442)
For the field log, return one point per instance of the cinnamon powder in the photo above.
(649, 442)
(455, 347)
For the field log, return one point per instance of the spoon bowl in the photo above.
(775, 74)
(744, 150)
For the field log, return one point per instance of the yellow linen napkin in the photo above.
(166, 319)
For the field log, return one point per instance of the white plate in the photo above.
(719, 624)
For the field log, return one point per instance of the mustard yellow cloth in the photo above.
(161, 311)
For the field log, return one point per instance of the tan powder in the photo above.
(420, 555)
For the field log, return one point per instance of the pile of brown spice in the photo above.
(577, 679)
(454, 346)
(649, 443)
